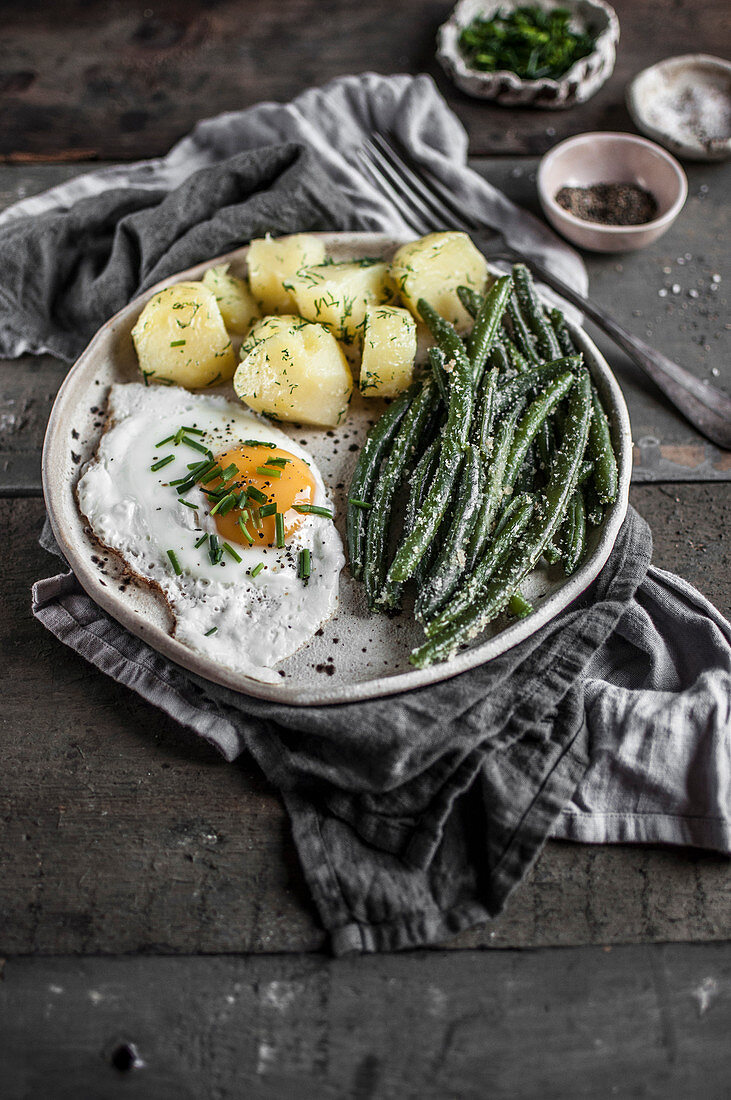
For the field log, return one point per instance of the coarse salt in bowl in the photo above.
(594, 158)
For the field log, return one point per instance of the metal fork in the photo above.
(426, 205)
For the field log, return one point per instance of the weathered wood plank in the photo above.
(589, 1023)
(114, 80)
(121, 833)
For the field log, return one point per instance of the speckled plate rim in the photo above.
(64, 517)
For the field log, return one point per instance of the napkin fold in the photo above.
(416, 815)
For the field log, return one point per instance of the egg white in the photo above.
(134, 511)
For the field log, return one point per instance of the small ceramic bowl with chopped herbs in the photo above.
(611, 192)
(533, 53)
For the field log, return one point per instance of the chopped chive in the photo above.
(175, 563)
(267, 510)
(269, 471)
(359, 503)
(227, 501)
(229, 472)
(259, 443)
(177, 343)
(256, 494)
(162, 442)
(201, 540)
(227, 504)
(197, 466)
(188, 504)
(242, 524)
(256, 518)
(178, 436)
(195, 431)
(279, 529)
(257, 569)
(211, 631)
(278, 462)
(215, 553)
(312, 510)
(241, 499)
(214, 471)
(230, 550)
(184, 486)
(163, 462)
(304, 565)
(196, 446)
(202, 468)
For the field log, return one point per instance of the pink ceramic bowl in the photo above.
(611, 158)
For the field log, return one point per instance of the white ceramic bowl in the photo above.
(582, 80)
(592, 158)
(685, 104)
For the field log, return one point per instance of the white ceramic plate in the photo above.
(357, 655)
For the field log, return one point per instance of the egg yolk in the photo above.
(284, 484)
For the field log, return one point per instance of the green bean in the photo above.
(521, 334)
(564, 337)
(487, 323)
(498, 357)
(503, 544)
(509, 511)
(423, 478)
(445, 574)
(532, 310)
(366, 471)
(541, 528)
(519, 607)
(594, 507)
(516, 359)
(438, 361)
(470, 299)
(535, 379)
(404, 444)
(482, 421)
(526, 431)
(444, 334)
(493, 493)
(576, 533)
(602, 453)
(454, 438)
(390, 594)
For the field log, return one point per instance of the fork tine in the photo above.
(408, 214)
(428, 189)
(438, 216)
(428, 215)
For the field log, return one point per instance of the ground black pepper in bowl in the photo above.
(609, 203)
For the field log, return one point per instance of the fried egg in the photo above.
(225, 514)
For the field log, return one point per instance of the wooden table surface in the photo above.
(157, 936)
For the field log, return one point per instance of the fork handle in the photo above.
(704, 405)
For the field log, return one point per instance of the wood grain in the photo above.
(587, 1023)
(123, 834)
(120, 79)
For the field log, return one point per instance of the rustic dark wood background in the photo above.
(157, 937)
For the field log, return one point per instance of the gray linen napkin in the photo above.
(414, 816)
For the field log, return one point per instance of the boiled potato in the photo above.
(180, 338)
(291, 369)
(338, 295)
(389, 351)
(273, 260)
(432, 268)
(235, 300)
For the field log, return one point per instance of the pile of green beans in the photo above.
(505, 451)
